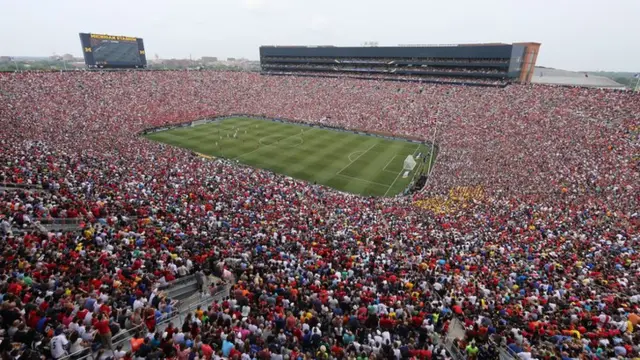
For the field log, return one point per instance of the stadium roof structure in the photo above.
(550, 76)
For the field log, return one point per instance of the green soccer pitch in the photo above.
(345, 161)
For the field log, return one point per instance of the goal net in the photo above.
(199, 122)
(409, 163)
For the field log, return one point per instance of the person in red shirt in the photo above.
(386, 322)
(207, 351)
(33, 319)
(337, 351)
(105, 309)
(102, 325)
(14, 288)
(82, 314)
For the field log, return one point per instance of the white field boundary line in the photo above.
(363, 180)
(357, 157)
(264, 146)
(206, 134)
(355, 152)
(385, 167)
(431, 168)
(229, 131)
(400, 173)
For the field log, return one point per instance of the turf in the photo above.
(345, 161)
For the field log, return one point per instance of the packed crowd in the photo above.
(544, 263)
(457, 80)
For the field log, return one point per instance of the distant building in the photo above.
(67, 57)
(231, 59)
(182, 63)
(209, 59)
(4, 59)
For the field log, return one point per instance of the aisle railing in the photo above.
(126, 335)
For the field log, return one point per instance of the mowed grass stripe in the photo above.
(394, 152)
(316, 156)
(231, 147)
(368, 166)
(326, 155)
(348, 181)
(298, 154)
(400, 173)
(272, 144)
(215, 132)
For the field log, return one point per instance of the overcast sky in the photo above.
(575, 34)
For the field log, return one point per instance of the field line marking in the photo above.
(359, 179)
(394, 181)
(355, 152)
(264, 146)
(385, 167)
(357, 157)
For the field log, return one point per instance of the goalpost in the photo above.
(199, 122)
(409, 163)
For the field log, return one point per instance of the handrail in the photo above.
(209, 298)
(177, 281)
(59, 221)
(128, 334)
(21, 186)
(455, 319)
(89, 348)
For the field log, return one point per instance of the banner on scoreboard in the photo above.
(112, 51)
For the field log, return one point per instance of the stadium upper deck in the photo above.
(488, 62)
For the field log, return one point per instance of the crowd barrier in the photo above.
(17, 186)
(126, 335)
(181, 288)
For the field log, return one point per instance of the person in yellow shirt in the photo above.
(199, 312)
(409, 285)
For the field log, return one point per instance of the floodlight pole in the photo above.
(637, 89)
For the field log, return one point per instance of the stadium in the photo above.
(311, 211)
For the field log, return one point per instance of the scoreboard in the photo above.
(111, 51)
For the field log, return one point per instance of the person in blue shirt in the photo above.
(306, 340)
(227, 346)
(89, 303)
(155, 342)
(168, 308)
(42, 323)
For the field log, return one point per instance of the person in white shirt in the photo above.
(178, 338)
(77, 344)
(88, 319)
(173, 268)
(59, 344)
(182, 270)
(137, 304)
(97, 305)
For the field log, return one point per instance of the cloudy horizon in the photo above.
(575, 35)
